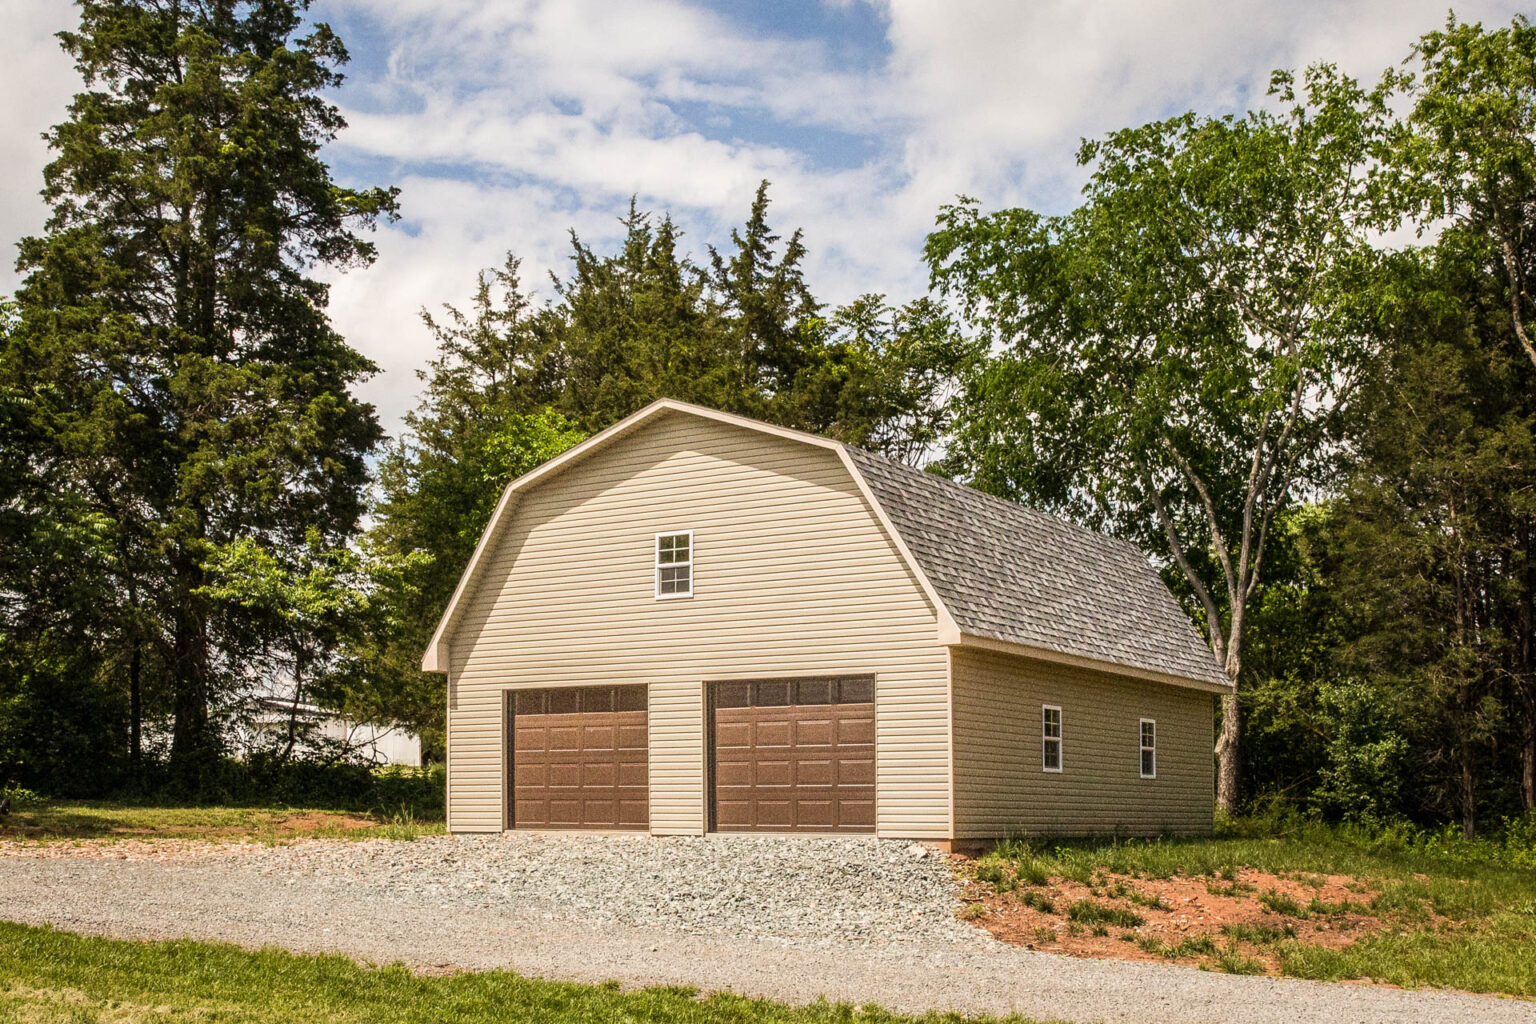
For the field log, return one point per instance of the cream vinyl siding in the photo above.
(1000, 787)
(792, 575)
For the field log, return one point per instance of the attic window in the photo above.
(674, 564)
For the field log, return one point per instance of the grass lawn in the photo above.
(1318, 904)
(54, 977)
(54, 821)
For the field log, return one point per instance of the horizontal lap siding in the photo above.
(1001, 789)
(792, 576)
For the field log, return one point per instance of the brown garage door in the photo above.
(579, 758)
(793, 755)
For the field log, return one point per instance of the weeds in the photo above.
(1258, 934)
(1231, 960)
(1089, 912)
(1281, 904)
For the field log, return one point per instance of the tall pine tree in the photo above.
(185, 384)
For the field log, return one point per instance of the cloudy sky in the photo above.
(508, 122)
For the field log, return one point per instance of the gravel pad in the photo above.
(857, 921)
(795, 891)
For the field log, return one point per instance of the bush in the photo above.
(337, 785)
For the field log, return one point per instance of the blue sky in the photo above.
(508, 122)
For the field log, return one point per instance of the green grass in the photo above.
(54, 977)
(1089, 912)
(1281, 904)
(54, 821)
(1453, 917)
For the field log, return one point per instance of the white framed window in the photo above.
(1148, 748)
(674, 564)
(1050, 738)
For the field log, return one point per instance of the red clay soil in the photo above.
(1181, 908)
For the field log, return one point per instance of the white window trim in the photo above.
(656, 564)
(1142, 748)
(1061, 745)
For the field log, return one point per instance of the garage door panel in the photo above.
(733, 773)
(774, 813)
(773, 773)
(815, 814)
(775, 733)
(576, 762)
(856, 771)
(530, 775)
(793, 755)
(856, 731)
(814, 733)
(603, 775)
(733, 735)
(858, 814)
(815, 773)
(732, 813)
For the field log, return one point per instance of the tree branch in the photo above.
(1213, 618)
(1516, 293)
(1218, 541)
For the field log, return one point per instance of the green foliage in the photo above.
(515, 384)
(269, 780)
(184, 386)
(1175, 353)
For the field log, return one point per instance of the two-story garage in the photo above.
(697, 622)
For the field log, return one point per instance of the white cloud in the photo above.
(507, 122)
(37, 80)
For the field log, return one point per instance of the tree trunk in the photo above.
(1527, 670)
(1468, 794)
(293, 708)
(1527, 746)
(1228, 756)
(191, 742)
(135, 708)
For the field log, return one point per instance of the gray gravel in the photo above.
(859, 921)
(800, 892)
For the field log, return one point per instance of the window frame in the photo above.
(1143, 748)
(657, 564)
(1058, 739)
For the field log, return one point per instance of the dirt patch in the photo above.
(1180, 918)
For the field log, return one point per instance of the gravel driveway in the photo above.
(853, 920)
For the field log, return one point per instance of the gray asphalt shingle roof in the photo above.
(1011, 573)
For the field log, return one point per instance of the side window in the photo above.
(1148, 749)
(674, 564)
(1050, 738)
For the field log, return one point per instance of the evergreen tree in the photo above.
(188, 387)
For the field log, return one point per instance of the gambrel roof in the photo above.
(1009, 573)
(998, 574)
